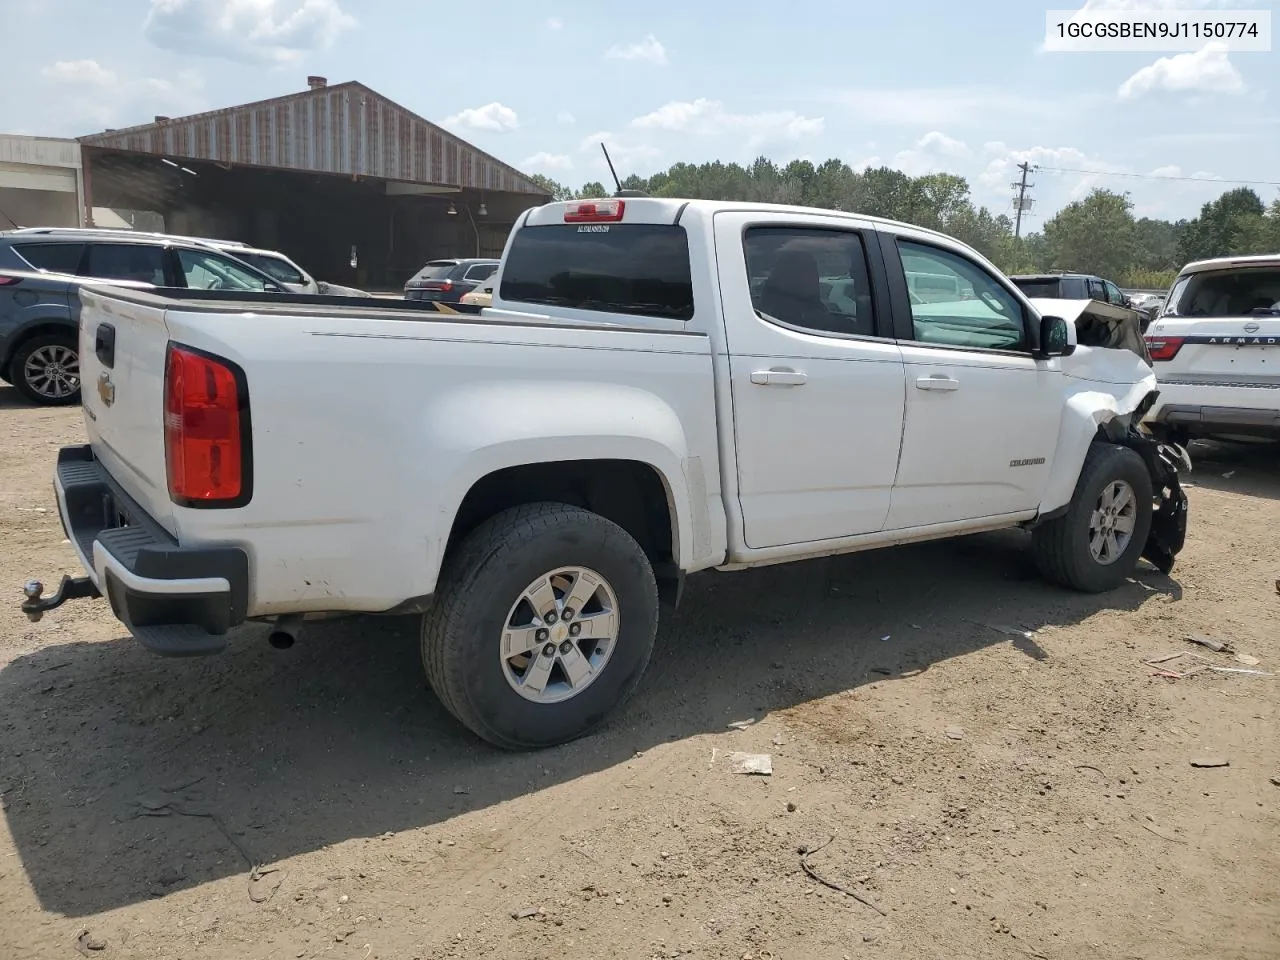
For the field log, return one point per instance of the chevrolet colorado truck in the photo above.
(660, 387)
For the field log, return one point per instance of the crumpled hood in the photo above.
(1099, 324)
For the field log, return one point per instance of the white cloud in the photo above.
(494, 117)
(80, 72)
(548, 161)
(648, 49)
(566, 118)
(710, 118)
(555, 23)
(1169, 170)
(247, 31)
(628, 157)
(1207, 70)
(873, 161)
(932, 153)
(104, 97)
(1051, 187)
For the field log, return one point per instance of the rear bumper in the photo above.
(1205, 409)
(175, 600)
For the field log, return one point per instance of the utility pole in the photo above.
(1022, 202)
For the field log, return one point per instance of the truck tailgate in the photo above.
(122, 361)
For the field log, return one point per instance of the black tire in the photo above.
(1061, 546)
(42, 391)
(476, 591)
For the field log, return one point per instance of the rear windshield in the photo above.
(435, 270)
(273, 267)
(1226, 293)
(640, 268)
(1047, 289)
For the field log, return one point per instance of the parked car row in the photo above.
(41, 269)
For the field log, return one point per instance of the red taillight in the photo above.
(594, 211)
(205, 430)
(445, 285)
(10, 281)
(1163, 348)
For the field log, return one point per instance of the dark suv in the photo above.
(40, 273)
(447, 281)
(1073, 286)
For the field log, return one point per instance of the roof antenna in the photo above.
(614, 173)
(616, 182)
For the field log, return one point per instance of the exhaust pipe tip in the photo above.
(281, 639)
(284, 633)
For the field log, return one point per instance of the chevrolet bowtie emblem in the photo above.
(106, 389)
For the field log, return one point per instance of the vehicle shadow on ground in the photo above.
(127, 776)
(1248, 469)
(12, 399)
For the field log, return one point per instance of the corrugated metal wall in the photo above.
(344, 129)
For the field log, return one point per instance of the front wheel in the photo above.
(1097, 543)
(543, 623)
(46, 370)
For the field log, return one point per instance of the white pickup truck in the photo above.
(660, 387)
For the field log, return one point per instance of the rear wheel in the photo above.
(1097, 543)
(543, 623)
(46, 370)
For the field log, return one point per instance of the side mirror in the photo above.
(1055, 338)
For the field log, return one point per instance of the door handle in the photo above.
(104, 345)
(937, 382)
(778, 377)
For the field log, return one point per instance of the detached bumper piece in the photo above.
(1169, 520)
(176, 601)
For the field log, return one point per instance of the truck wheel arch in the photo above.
(636, 494)
(1087, 416)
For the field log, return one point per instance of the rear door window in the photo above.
(126, 261)
(54, 257)
(481, 271)
(814, 279)
(637, 268)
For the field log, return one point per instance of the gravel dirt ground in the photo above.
(983, 762)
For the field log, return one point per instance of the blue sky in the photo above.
(920, 85)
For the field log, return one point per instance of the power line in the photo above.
(1161, 176)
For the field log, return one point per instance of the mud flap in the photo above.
(1169, 519)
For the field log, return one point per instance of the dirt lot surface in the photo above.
(981, 758)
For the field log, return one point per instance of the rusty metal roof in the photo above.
(342, 129)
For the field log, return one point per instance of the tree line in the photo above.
(1098, 234)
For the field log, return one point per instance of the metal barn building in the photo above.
(354, 187)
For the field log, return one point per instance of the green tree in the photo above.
(1095, 235)
(1225, 226)
(557, 191)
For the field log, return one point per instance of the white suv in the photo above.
(1216, 349)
